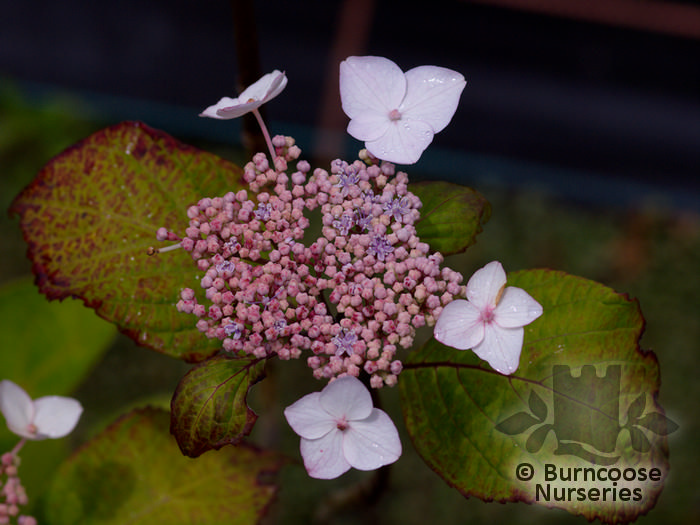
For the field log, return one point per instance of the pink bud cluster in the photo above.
(350, 298)
(12, 493)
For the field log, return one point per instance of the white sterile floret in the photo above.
(491, 320)
(254, 96)
(46, 417)
(397, 114)
(340, 428)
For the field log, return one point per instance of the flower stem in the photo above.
(265, 133)
(18, 447)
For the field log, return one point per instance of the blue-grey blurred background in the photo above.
(608, 91)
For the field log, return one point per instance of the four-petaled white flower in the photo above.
(340, 428)
(254, 96)
(46, 417)
(491, 321)
(397, 114)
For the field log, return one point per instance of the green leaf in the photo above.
(517, 423)
(48, 347)
(451, 217)
(209, 408)
(91, 214)
(583, 360)
(134, 473)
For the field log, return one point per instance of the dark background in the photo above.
(602, 103)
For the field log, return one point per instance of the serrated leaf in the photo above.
(657, 423)
(637, 407)
(517, 423)
(134, 473)
(451, 217)
(209, 408)
(536, 440)
(537, 406)
(90, 215)
(453, 402)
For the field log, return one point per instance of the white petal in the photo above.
(516, 308)
(323, 457)
(17, 407)
(265, 88)
(56, 416)
(348, 398)
(372, 442)
(369, 82)
(459, 325)
(238, 110)
(212, 111)
(308, 418)
(483, 287)
(432, 95)
(368, 125)
(404, 142)
(501, 348)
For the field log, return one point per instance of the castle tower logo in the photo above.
(585, 417)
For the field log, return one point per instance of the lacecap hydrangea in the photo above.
(347, 300)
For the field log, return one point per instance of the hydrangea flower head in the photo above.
(254, 96)
(491, 320)
(397, 114)
(46, 417)
(348, 300)
(340, 428)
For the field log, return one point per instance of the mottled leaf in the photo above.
(91, 214)
(451, 217)
(134, 473)
(583, 360)
(209, 408)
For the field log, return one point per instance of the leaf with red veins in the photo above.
(91, 214)
(209, 408)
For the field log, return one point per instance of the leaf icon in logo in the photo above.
(537, 406)
(517, 423)
(536, 439)
(657, 423)
(640, 443)
(636, 409)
